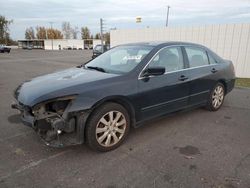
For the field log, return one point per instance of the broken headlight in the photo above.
(57, 106)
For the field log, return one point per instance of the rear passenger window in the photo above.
(196, 57)
(211, 59)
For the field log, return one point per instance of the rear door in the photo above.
(201, 73)
(162, 94)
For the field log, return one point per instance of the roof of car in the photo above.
(157, 43)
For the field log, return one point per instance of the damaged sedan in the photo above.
(98, 102)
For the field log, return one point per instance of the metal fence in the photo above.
(230, 41)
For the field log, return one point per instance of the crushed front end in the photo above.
(53, 122)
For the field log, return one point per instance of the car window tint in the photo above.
(196, 57)
(211, 59)
(170, 58)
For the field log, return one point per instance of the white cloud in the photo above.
(244, 15)
(120, 14)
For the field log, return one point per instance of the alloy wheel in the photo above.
(218, 96)
(111, 128)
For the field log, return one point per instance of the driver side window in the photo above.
(170, 58)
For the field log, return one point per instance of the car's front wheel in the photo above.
(216, 97)
(107, 127)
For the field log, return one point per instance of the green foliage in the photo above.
(106, 37)
(243, 82)
(97, 36)
(85, 33)
(4, 30)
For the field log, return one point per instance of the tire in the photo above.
(216, 97)
(105, 135)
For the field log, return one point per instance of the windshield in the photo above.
(121, 59)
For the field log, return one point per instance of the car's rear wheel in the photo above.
(216, 97)
(107, 127)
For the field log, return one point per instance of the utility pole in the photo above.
(102, 31)
(51, 27)
(168, 7)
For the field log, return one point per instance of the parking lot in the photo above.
(192, 149)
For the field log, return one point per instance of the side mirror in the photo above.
(153, 71)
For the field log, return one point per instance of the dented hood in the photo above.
(58, 84)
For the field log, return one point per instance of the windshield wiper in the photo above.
(96, 68)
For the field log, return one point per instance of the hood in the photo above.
(46, 87)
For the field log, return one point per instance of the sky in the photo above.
(121, 14)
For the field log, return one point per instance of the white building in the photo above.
(58, 44)
(230, 41)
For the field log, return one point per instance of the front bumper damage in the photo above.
(56, 130)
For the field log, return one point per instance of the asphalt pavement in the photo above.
(193, 149)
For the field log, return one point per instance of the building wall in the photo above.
(65, 43)
(230, 41)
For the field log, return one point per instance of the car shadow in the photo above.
(14, 119)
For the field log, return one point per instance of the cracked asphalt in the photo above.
(193, 149)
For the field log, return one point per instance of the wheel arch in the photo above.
(222, 81)
(123, 101)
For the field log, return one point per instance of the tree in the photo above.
(97, 36)
(4, 30)
(85, 33)
(66, 29)
(41, 32)
(74, 32)
(54, 34)
(29, 33)
(106, 37)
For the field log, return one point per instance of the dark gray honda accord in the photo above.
(98, 102)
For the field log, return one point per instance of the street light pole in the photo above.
(101, 32)
(168, 7)
(51, 27)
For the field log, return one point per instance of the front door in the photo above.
(166, 93)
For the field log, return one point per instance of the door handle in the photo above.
(214, 70)
(183, 78)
